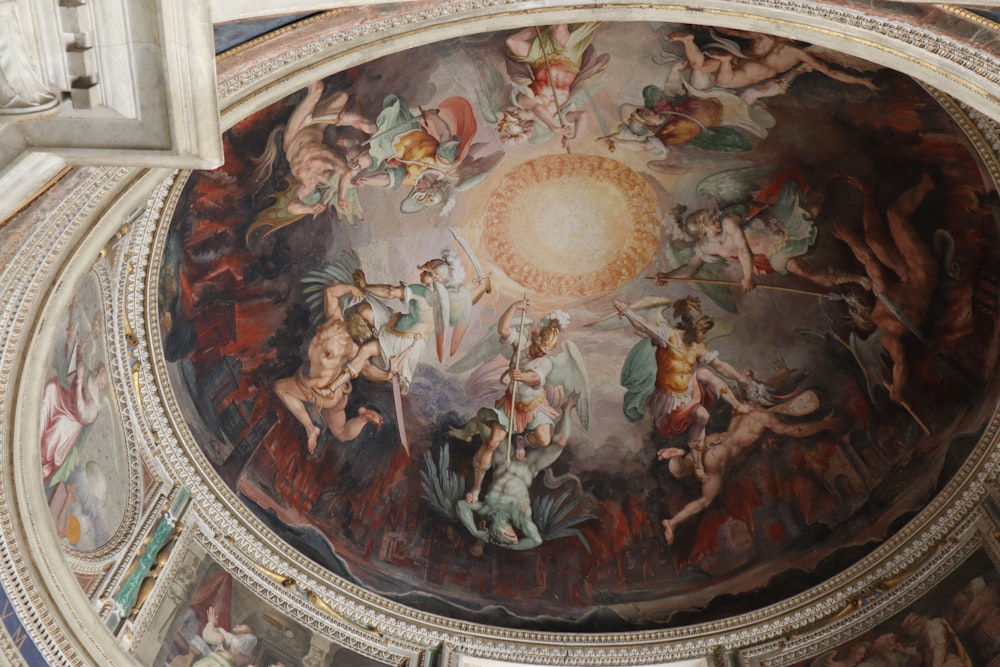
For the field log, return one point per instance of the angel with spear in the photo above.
(525, 407)
(545, 66)
(773, 241)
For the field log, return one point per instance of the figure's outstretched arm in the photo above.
(637, 322)
(532, 537)
(686, 271)
(733, 229)
(465, 514)
(839, 75)
(380, 290)
(726, 370)
(804, 429)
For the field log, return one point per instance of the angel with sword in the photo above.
(525, 407)
(687, 377)
(429, 305)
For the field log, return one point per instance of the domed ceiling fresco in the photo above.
(588, 327)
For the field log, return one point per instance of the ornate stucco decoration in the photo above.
(90, 206)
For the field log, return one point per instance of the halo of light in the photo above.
(572, 225)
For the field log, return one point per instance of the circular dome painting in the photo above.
(592, 326)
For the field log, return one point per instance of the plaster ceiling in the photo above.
(837, 377)
(845, 192)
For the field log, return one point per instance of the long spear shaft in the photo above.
(513, 382)
(552, 86)
(733, 283)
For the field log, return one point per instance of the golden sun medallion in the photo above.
(572, 225)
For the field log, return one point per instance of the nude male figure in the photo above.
(902, 268)
(769, 61)
(729, 448)
(335, 358)
(312, 161)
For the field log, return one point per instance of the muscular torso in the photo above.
(308, 156)
(511, 488)
(329, 350)
(781, 58)
(551, 85)
(674, 369)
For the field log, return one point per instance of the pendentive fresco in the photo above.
(588, 327)
(84, 462)
(213, 621)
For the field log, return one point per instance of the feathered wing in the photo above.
(442, 487)
(488, 347)
(476, 165)
(570, 374)
(733, 186)
(868, 354)
(341, 270)
(440, 301)
(558, 516)
(488, 359)
(460, 313)
(492, 92)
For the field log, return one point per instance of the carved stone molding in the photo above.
(56, 614)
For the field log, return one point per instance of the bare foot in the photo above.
(522, 444)
(313, 439)
(681, 37)
(668, 531)
(670, 453)
(370, 416)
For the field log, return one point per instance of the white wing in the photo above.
(569, 373)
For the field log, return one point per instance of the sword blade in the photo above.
(476, 266)
(397, 399)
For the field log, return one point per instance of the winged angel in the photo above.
(521, 365)
(546, 68)
(530, 388)
(440, 301)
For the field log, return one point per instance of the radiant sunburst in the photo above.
(572, 224)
